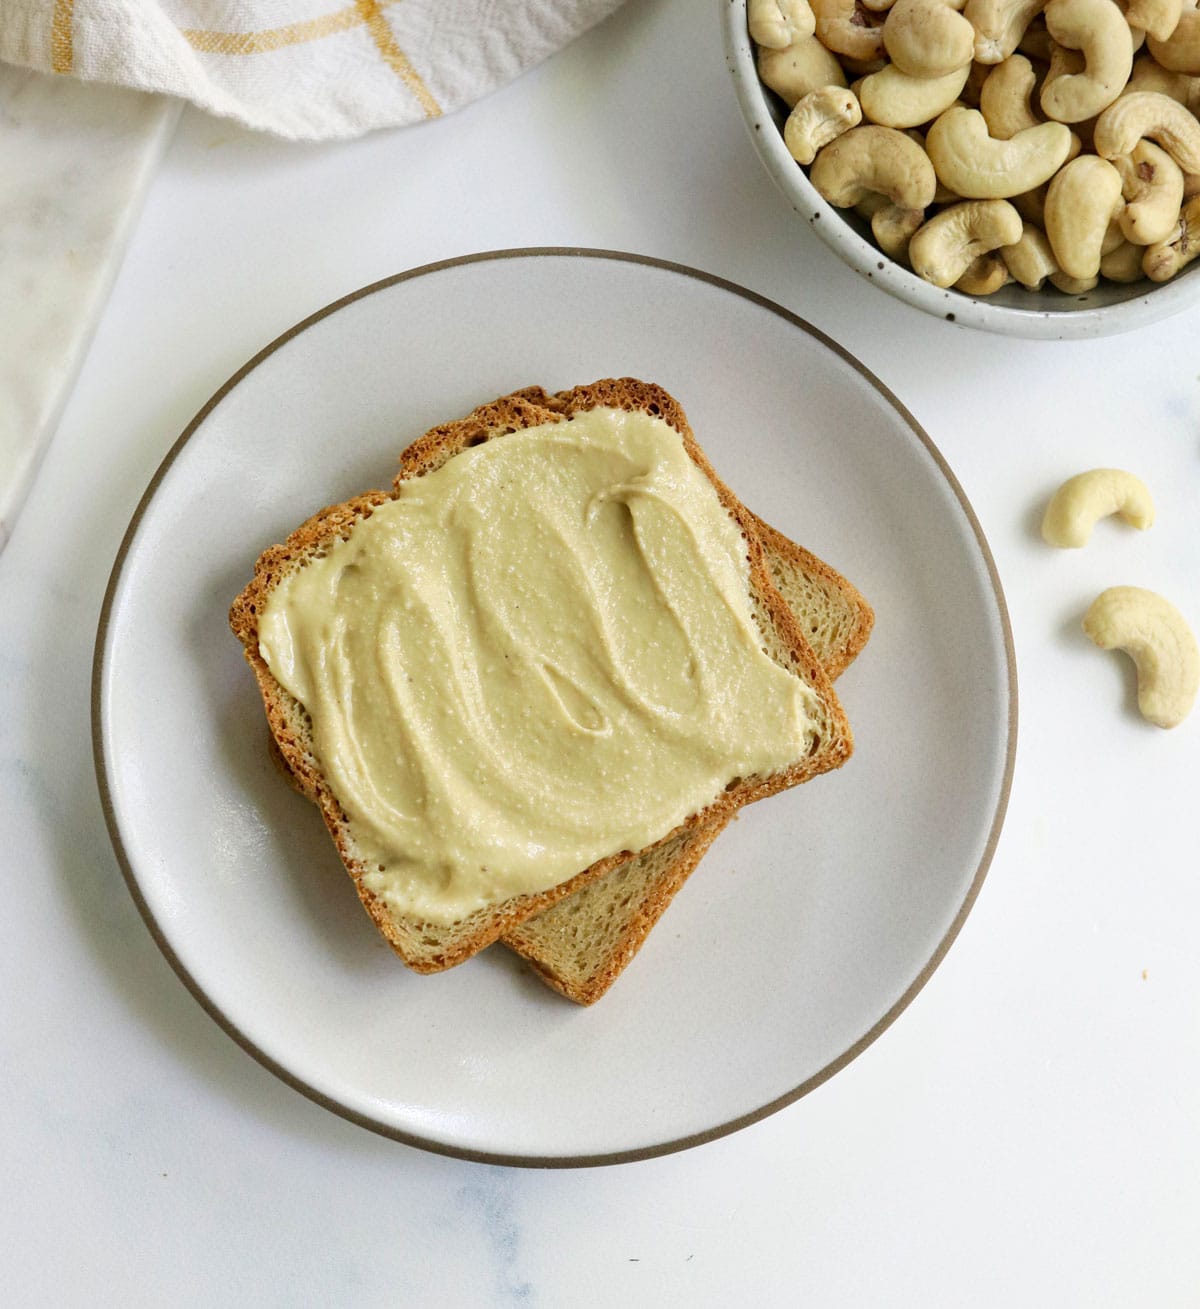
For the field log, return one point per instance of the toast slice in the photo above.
(582, 944)
(833, 614)
(431, 947)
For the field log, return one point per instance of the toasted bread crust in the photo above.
(860, 615)
(429, 947)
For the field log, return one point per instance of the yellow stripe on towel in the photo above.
(394, 57)
(274, 38)
(368, 13)
(62, 36)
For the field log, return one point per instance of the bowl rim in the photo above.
(1081, 321)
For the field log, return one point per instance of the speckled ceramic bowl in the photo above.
(1013, 311)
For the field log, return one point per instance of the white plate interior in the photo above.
(813, 917)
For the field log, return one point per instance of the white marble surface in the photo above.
(74, 164)
(1026, 1134)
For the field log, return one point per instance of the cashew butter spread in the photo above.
(538, 655)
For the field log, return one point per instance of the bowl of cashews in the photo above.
(1029, 167)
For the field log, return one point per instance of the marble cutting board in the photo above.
(75, 161)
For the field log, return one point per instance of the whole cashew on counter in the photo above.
(1079, 504)
(1157, 638)
(967, 118)
(1147, 627)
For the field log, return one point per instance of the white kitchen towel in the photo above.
(305, 69)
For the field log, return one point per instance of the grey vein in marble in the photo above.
(490, 1194)
(75, 161)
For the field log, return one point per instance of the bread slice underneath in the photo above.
(582, 944)
(431, 947)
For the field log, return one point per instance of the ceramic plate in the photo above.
(814, 919)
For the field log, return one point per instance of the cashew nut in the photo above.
(1113, 236)
(1083, 135)
(1157, 18)
(1079, 504)
(861, 68)
(775, 24)
(1063, 63)
(927, 38)
(1030, 260)
(820, 117)
(1136, 33)
(1149, 76)
(1157, 638)
(1165, 258)
(984, 276)
(1123, 264)
(1083, 199)
(943, 195)
(943, 249)
(1098, 29)
(874, 158)
(1073, 285)
(893, 228)
(1152, 184)
(871, 203)
(1031, 205)
(846, 28)
(1082, 203)
(803, 67)
(1005, 100)
(894, 99)
(1035, 42)
(999, 25)
(976, 165)
(1156, 116)
(1180, 52)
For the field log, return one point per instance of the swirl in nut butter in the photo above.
(538, 655)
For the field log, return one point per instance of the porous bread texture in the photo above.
(582, 944)
(428, 947)
(833, 614)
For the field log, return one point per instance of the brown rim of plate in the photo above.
(552, 1161)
